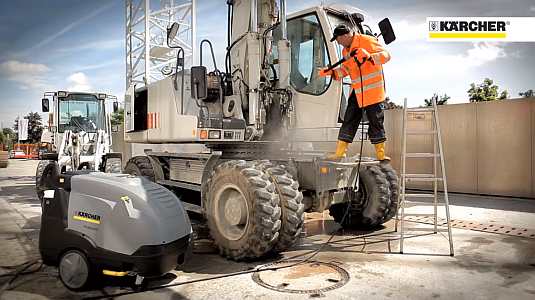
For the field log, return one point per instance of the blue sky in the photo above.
(50, 45)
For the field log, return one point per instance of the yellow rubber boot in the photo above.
(380, 152)
(341, 149)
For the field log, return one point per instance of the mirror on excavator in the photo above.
(387, 31)
(171, 33)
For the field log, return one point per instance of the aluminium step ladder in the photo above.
(434, 177)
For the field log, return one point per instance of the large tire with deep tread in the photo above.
(113, 165)
(393, 185)
(262, 229)
(140, 166)
(46, 169)
(291, 199)
(370, 211)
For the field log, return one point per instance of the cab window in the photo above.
(308, 52)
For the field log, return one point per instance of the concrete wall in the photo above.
(489, 147)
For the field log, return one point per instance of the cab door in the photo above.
(317, 99)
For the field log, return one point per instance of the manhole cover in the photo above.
(312, 277)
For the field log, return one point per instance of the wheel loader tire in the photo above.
(140, 166)
(291, 202)
(393, 185)
(113, 165)
(46, 170)
(368, 207)
(242, 210)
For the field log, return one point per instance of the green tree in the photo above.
(527, 94)
(117, 118)
(390, 105)
(3, 141)
(485, 91)
(7, 136)
(440, 100)
(504, 95)
(35, 127)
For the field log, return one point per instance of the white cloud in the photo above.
(97, 45)
(482, 53)
(406, 32)
(28, 75)
(79, 82)
(419, 75)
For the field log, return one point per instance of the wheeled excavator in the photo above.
(261, 122)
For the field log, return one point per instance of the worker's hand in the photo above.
(362, 54)
(323, 72)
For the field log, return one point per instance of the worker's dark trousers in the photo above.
(352, 117)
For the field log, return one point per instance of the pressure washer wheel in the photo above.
(74, 270)
(368, 207)
(242, 210)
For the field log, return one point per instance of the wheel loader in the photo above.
(79, 135)
(259, 125)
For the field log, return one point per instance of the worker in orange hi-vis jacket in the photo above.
(364, 57)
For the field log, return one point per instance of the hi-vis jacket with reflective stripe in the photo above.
(371, 70)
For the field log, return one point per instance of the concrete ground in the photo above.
(485, 266)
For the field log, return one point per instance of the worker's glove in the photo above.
(362, 55)
(323, 72)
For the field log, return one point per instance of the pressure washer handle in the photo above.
(336, 64)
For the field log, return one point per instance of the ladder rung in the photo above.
(424, 179)
(421, 175)
(417, 215)
(421, 132)
(420, 109)
(425, 229)
(420, 155)
(420, 203)
(420, 195)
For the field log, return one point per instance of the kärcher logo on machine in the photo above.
(86, 217)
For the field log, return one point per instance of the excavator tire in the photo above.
(113, 165)
(140, 166)
(242, 210)
(291, 199)
(368, 207)
(393, 185)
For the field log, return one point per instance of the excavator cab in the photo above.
(320, 102)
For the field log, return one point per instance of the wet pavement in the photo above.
(485, 266)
